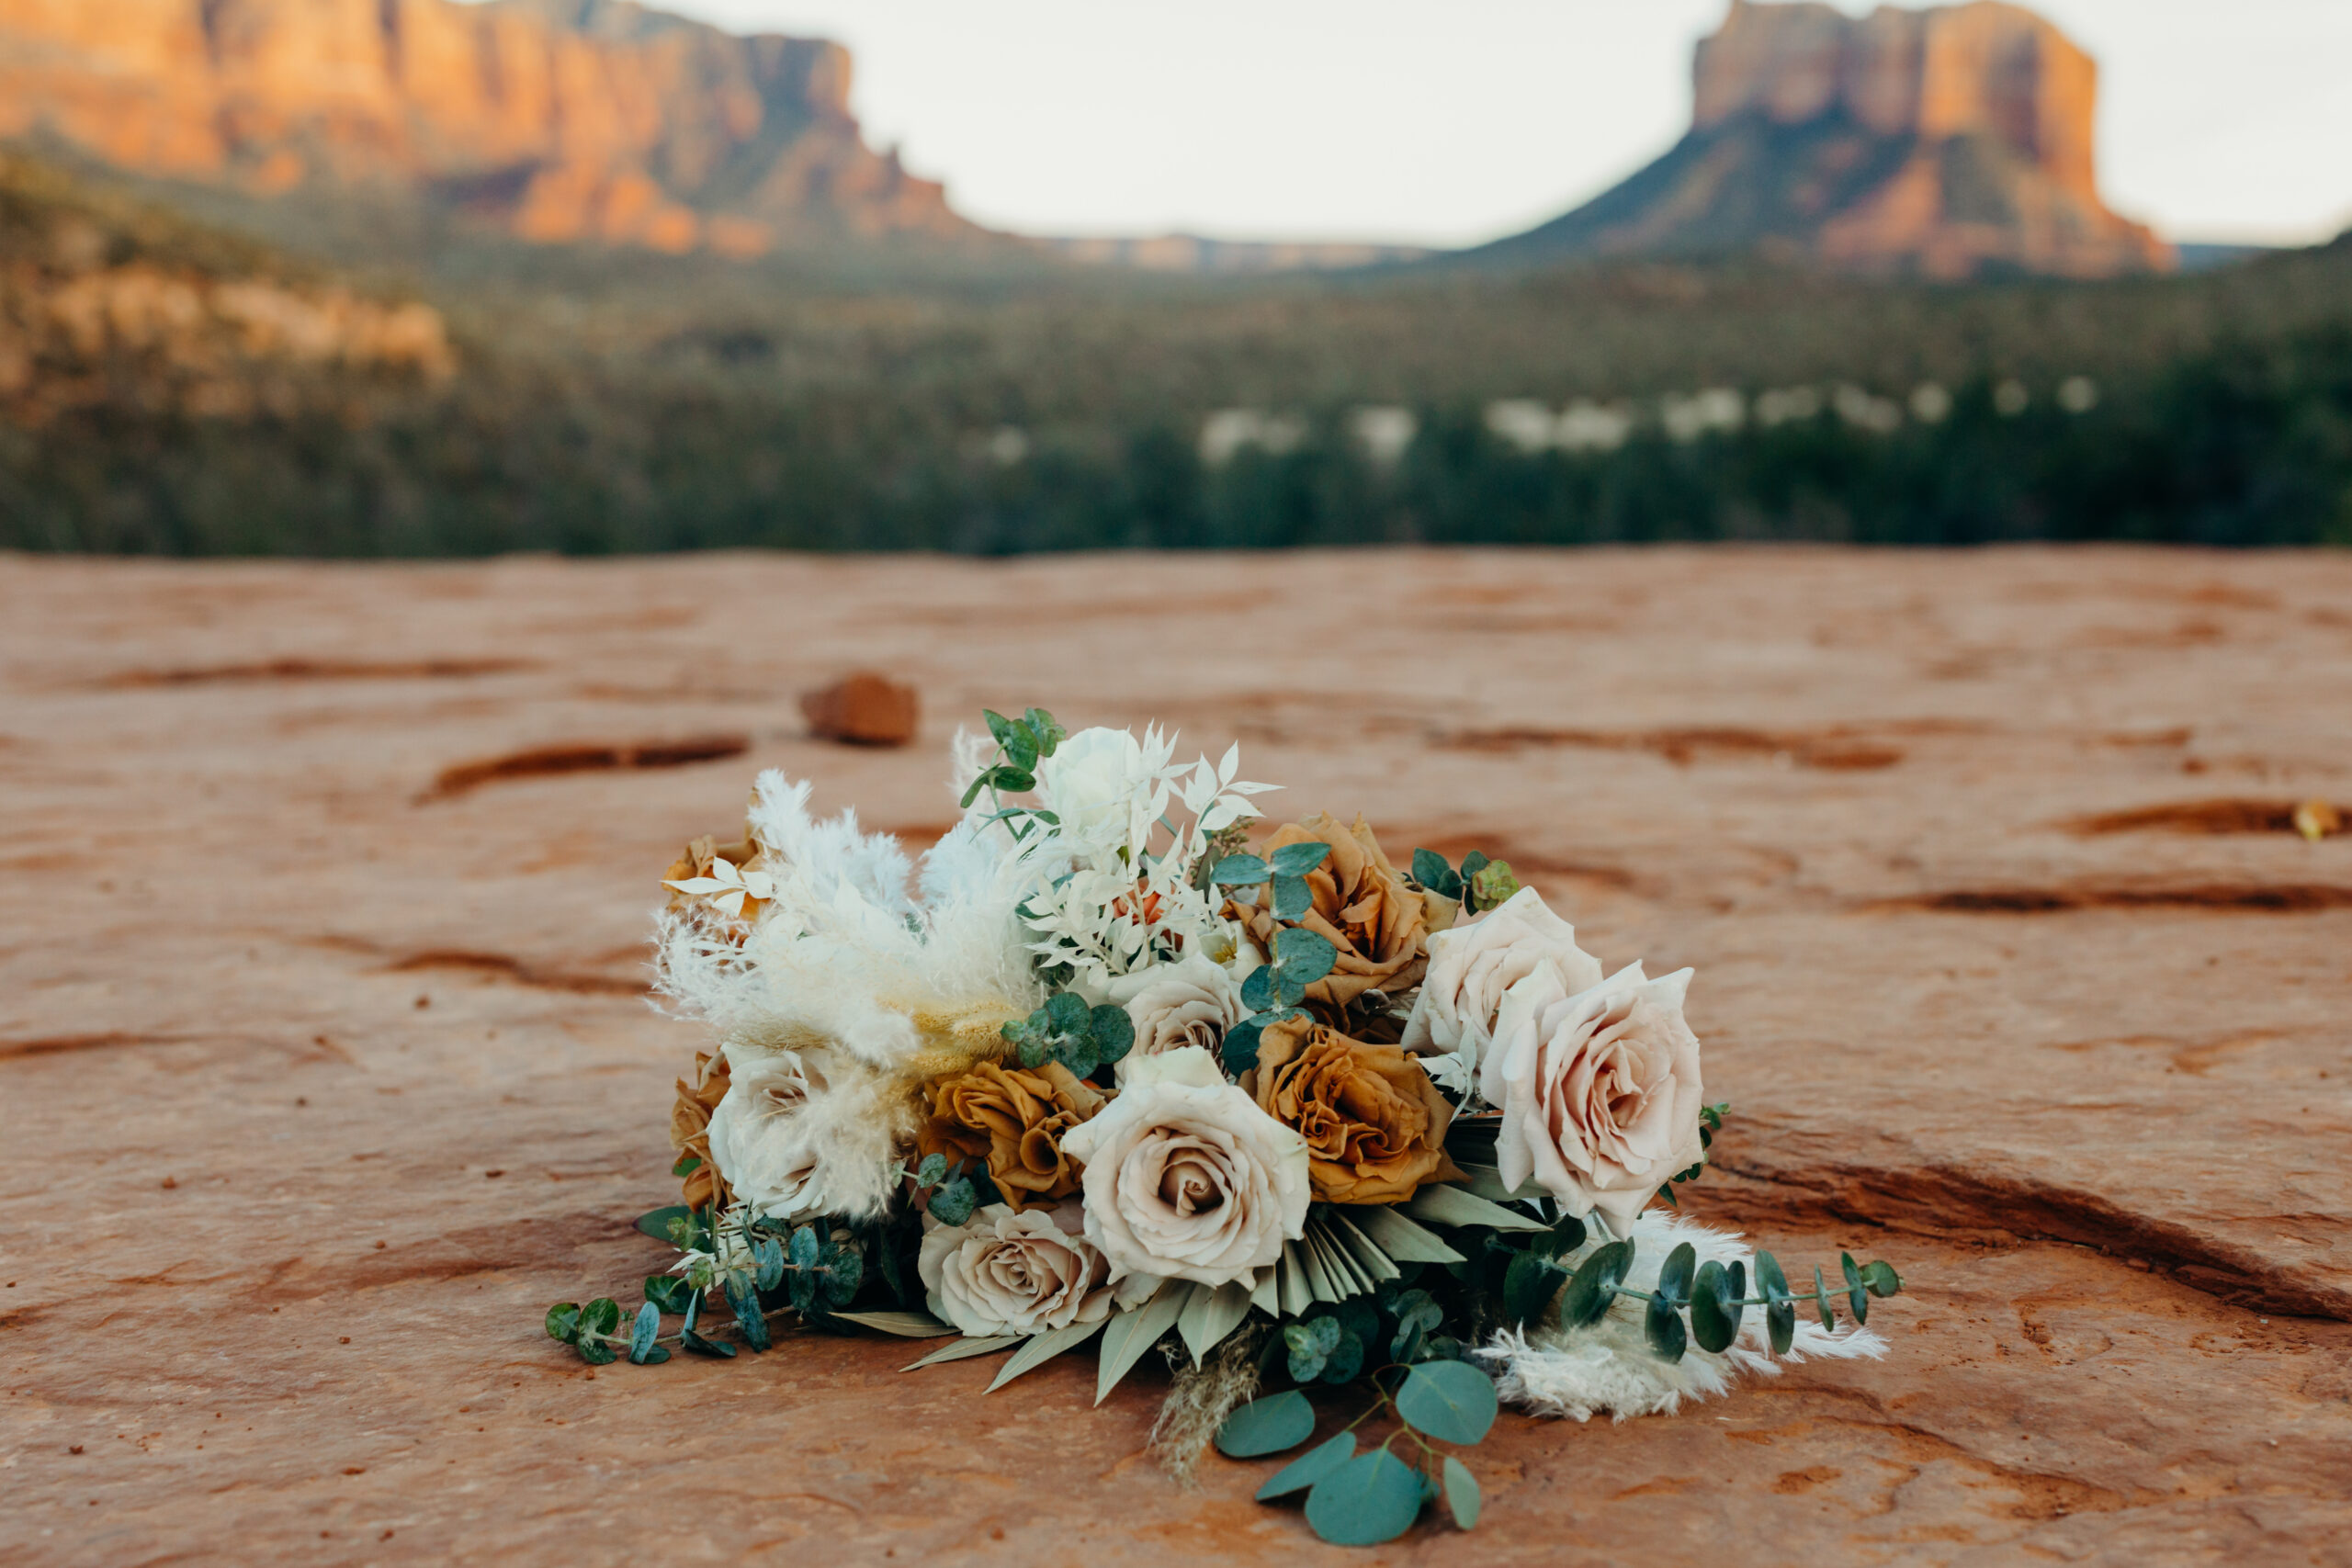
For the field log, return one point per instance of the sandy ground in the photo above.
(2007, 964)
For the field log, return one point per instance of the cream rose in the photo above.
(1473, 963)
(1007, 1273)
(1599, 1091)
(1186, 1177)
(756, 1133)
(1089, 782)
(1189, 1002)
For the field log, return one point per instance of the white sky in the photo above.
(1451, 121)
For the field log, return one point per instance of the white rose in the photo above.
(1189, 1002)
(1599, 1091)
(1473, 963)
(1089, 782)
(758, 1135)
(1186, 1177)
(1003, 1272)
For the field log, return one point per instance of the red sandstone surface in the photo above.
(319, 1082)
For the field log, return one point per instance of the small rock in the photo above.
(862, 710)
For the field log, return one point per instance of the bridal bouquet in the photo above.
(1107, 1068)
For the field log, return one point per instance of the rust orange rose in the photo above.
(1013, 1120)
(1361, 907)
(1373, 1122)
(690, 1127)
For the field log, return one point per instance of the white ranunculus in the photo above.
(1002, 1272)
(1473, 963)
(1186, 1177)
(1189, 1002)
(1089, 782)
(1600, 1090)
(759, 1133)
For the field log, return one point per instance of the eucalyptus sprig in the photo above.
(1020, 744)
(811, 1273)
(1481, 884)
(1067, 1031)
(1363, 1499)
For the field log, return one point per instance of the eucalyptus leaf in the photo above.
(932, 1171)
(842, 1271)
(1451, 1401)
(1566, 1236)
(1014, 781)
(767, 1254)
(563, 1322)
(1821, 1301)
(1779, 1306)
(749, 1322)
(805, 1247)
(1304, 956)
(656, 1224)
(953, 1204)
(602, 1315)
(702, 1346)
(1662, 1325)
(1882, 1279)
(1856, 1294)
(1266, 1426)
(1370, 1498)
(1674, 1275)
(1240, 1048)
(669, 1292)
(1346, 1361)
(648, 1329)
(1309, 1467)
(1240, 871)
(1293, 896)
(1529, 1284)
(1297, 860)
(1461, 1493)
(1114, 1033)
(1716, 1305)
(1258, 989)
(1594, 1284)
(1430, 870)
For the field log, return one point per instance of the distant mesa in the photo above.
(1951, 143)
(554, 120)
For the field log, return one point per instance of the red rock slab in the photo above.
(2088, 1090)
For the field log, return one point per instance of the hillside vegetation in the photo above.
(167, 386)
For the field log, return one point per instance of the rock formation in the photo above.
(558, 120)
(1948, 142)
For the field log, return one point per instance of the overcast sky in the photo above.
(1455, 120)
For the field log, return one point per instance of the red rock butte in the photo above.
(1949, 143)
(556, 119)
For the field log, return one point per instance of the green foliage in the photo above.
(670, 1292)
(657, 1223)
(1595, 1285)
(1067, 1031)
(1461, 1493)
(1266, 1426)
(563, 1323)
(1717, 1304)
(1450, 1401)
(1309, 1467)
(1529, 1281)
(1491, 884)
(1366, 1500)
